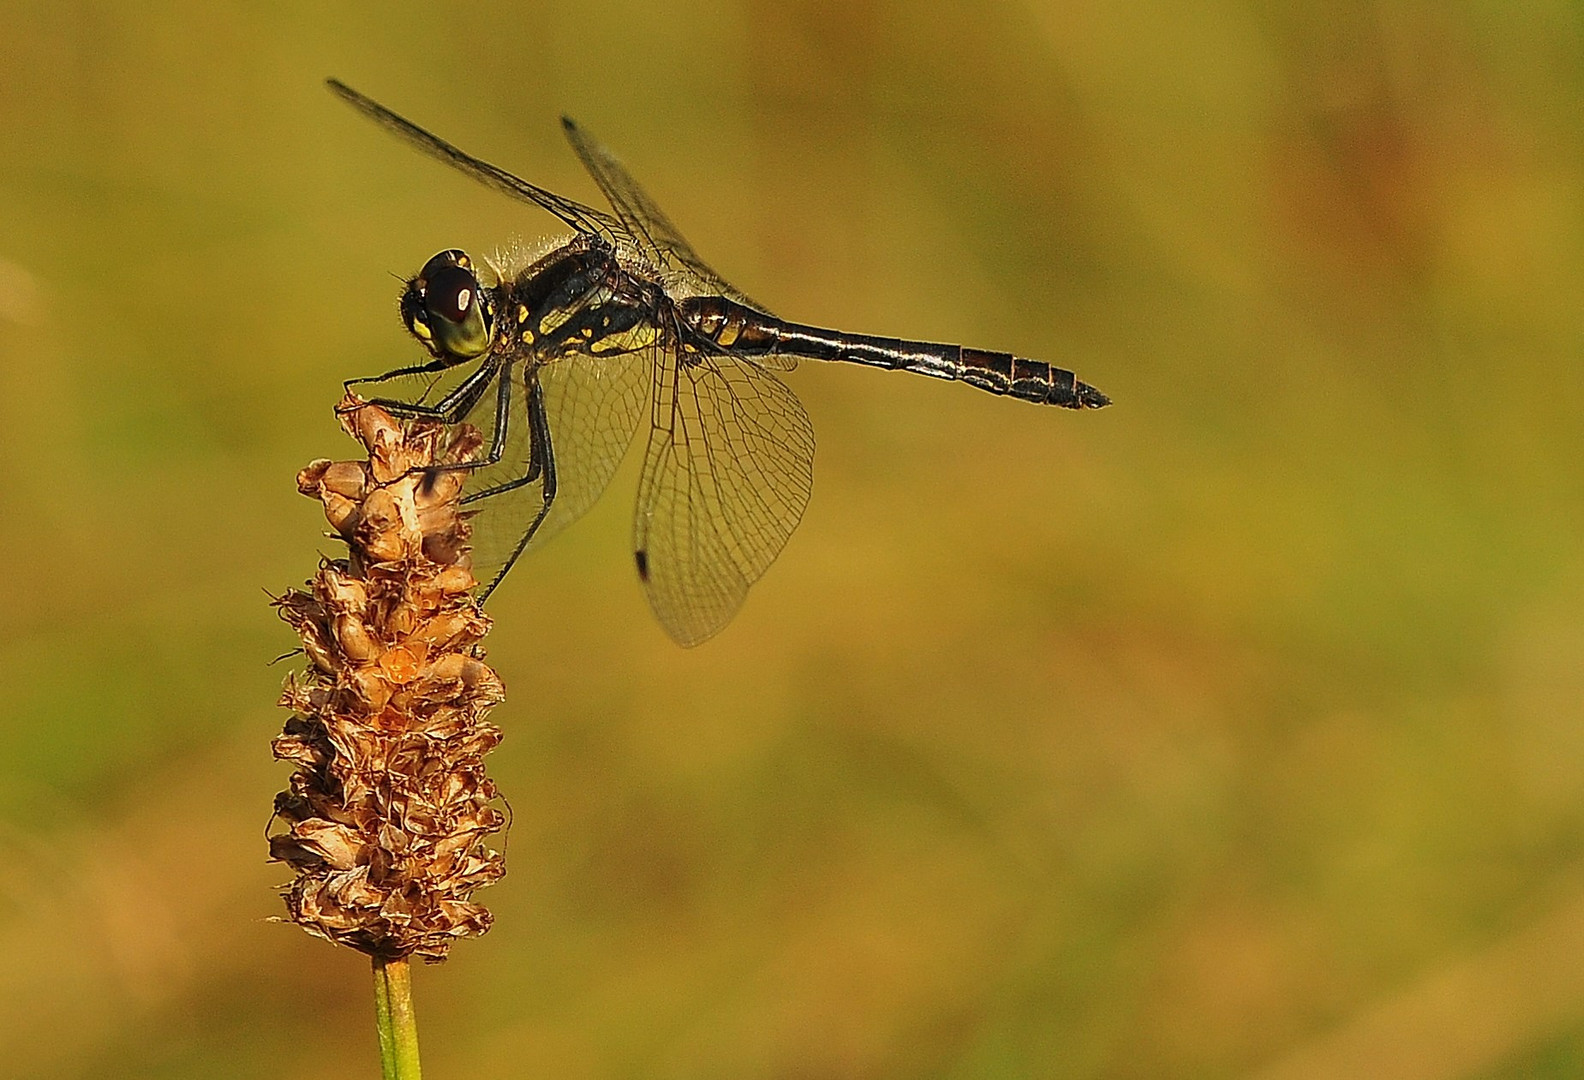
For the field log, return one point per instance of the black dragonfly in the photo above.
(561, 352)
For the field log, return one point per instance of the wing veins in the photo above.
(642, 216)
(585, 219)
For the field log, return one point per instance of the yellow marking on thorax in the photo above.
(553, 319)
(639, 337)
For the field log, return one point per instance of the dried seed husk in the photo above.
(388, 813)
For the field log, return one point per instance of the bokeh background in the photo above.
(1237, 730)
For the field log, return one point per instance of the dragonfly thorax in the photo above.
(581, 297)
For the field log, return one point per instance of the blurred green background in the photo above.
(1237, 730)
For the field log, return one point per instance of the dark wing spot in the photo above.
(642, 559)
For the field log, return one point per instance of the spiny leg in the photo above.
(541, 456)
(533, 473)
(392, 405)
(476, 385)
(449, 409)
(430, 368)
(498, 435)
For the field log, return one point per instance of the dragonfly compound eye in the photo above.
(452, 294)
(459, 316)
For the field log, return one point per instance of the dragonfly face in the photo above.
(625, 328)
(446, 309)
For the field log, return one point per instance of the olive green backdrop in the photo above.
(1236, 730)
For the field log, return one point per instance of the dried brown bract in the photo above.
(389, 809)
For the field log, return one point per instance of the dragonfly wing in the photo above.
(726, 477)
(584, 219)
(660, 240)
(594, 405)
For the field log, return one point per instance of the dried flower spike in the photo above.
(389, 810)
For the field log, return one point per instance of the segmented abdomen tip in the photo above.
(1090, 398)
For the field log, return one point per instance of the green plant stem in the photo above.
(394, 1017)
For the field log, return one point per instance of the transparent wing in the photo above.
(656, 236)
(594, 405)
(584, 219)
(726, 478)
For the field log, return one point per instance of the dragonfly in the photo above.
(561, 355)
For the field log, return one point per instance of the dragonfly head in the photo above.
(445, 308)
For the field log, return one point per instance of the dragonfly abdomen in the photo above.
(1029, 380)
(743, 331)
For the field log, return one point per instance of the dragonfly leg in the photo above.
(474, 389)
(541, 456)
(534, 471)
(449, 409)
(430, 368)
(502, 428)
